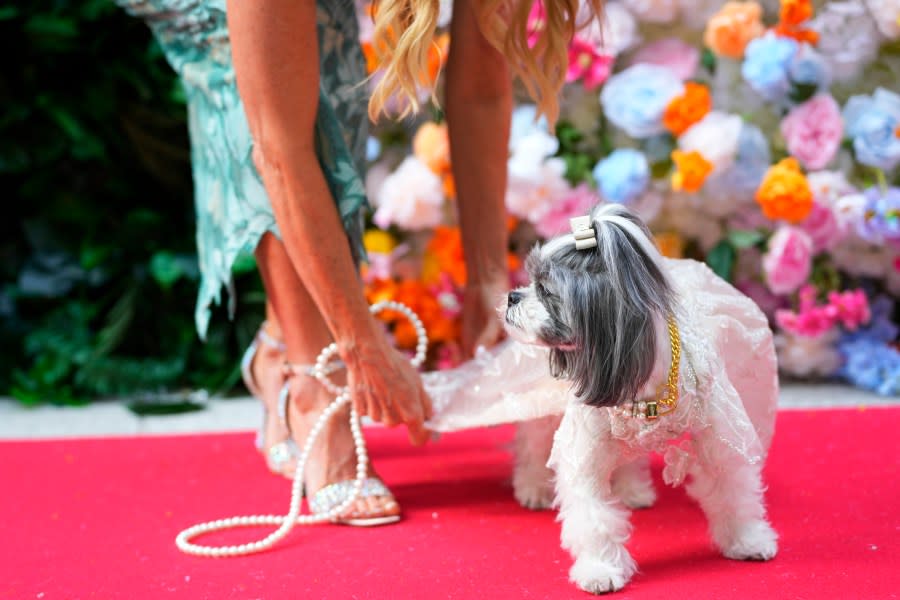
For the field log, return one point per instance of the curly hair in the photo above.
(537, 53)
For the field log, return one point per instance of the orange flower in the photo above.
(417, 296)
(687, 109)
(730, 30)
(670, 244)
(444, 254)
(431, 145)
(437, 56)
(795, 12)
(785, 193)
(798, 33)
(691, 170)
(371, 57)
(449, 186)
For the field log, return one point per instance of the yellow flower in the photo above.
(691, 170)
(378, 241)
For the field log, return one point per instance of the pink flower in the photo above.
(788, 262)
(577, 202)
(852, 308)
(587, 64)
(810, 320)
(813, 131)
(537, 22)
(822, 228)
(449, 355)
(679, 57)
(381, 264)
(449, 297)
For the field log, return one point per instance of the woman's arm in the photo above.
(479, 106)
(275, 53)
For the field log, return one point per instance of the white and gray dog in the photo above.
(663, 356)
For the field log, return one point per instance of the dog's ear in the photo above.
(614, 341)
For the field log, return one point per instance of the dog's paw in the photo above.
(636, 493)
(536, 496)
(598, 576)
(754, 540)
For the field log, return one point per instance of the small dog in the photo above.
(663, 356)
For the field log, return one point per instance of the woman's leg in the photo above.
(305, 334)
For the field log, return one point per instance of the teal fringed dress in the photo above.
(233, 210)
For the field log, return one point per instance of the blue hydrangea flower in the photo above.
(872, 122)
(882, 221)
(872, 365)
(766, 67)
(635, 99)
(751, 162)
(809, 68)
(622, 176)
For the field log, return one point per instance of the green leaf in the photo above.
(8, 12)
(50, 25)
(708, 60)
(166, 269)
(721, 259)
(741, 239)
(176, 407)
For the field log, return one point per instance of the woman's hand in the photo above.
(481, 325)
(385, 386)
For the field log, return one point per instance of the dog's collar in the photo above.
(666, 399)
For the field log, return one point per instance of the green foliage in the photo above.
(98, 269)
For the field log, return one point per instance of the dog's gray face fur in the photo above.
(595, 308)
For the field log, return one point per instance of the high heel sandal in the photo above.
(282, 455)
(333, 495)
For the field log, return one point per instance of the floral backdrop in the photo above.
(760, 137)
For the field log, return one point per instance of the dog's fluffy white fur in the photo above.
(592, 462)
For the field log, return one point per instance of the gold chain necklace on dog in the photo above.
(666, 399)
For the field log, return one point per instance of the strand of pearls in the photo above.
(285, 523)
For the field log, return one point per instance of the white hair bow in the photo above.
(583, 231)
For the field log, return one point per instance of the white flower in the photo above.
(533, 186)
(829, 186)
(849, 210)
(805, 356)
(411, 197)
(653, 11)
(887, 16)
(848, 38)
(445, 13)
(715, 137)
(617, 33)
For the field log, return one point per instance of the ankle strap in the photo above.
(269, 340)
(290, 369)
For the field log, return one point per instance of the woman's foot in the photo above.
(264, 378)
(333, 456)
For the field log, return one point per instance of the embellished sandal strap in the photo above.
(268, 339)
(333, 495)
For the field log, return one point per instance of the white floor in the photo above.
(240, 414)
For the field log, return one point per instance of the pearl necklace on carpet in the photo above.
(287, 522)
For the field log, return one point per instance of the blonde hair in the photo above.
(404, 34)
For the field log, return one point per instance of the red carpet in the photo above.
(97, 518)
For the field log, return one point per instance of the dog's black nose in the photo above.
(514, 298)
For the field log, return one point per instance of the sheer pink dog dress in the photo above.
(729, 380)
